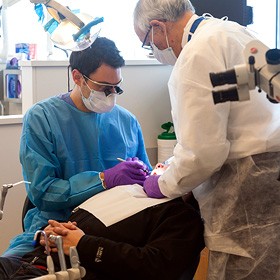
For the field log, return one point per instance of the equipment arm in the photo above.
(62, 10)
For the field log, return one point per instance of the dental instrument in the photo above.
(76, 272)
(122, 160)
(4, 192)
(50, 265)
(62, 274)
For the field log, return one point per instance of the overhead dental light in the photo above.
(68, 30)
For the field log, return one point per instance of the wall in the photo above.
(145, 95)
(10, 172)
(145, 91)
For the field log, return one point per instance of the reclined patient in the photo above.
(131, 237)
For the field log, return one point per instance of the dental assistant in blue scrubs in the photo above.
(70, 143)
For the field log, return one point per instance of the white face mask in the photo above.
(166, 56)
(98, 102)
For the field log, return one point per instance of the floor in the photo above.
(201, 272)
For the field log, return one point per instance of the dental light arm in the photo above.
(262, 71)
(62, 10)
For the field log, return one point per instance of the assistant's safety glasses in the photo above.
(144, 46)
(107, 88)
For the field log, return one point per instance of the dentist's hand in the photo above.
(151, 187)
(145, 167)
(125, 173)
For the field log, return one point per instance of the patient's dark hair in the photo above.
(101, 51)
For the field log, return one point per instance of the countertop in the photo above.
(11, 119)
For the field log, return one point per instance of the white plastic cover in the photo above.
(62, 36)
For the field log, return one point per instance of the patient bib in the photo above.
(119, 203)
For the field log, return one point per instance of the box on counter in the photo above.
(27, 50)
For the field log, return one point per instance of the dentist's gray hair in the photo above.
(170, 10)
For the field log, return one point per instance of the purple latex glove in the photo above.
(125, 173)
(151, 187)
(146, 168)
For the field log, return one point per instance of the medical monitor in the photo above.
(235, 10)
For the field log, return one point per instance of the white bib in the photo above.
(119, 203)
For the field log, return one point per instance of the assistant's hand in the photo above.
(151, 187)
(125, 173)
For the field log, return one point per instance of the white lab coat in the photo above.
(214, 140)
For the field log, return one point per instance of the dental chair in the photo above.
(27, 205)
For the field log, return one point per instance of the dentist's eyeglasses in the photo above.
(107, 88)
(144, 46)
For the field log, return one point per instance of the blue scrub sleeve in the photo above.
(48, 191)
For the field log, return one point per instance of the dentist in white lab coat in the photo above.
(227, 154)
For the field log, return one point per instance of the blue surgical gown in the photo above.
(62, 151)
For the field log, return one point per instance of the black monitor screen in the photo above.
(235, 10)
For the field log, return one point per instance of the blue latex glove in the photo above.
(151, 187)
(125, 173)
(146, 168)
